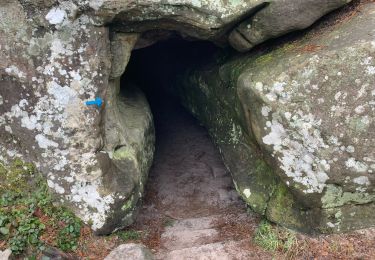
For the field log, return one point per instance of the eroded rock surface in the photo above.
(307, 114)
(278, 18)
(248, 23)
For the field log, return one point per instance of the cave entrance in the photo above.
(155, 69)
(188, 179)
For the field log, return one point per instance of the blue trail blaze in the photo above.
(98, 101)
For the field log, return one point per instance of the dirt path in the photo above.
(191, 210)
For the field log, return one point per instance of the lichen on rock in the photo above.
(308, 115)
(64, 61)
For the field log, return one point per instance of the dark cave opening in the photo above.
(155, 69)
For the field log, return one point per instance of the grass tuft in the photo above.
(274, 238)
(129, 235)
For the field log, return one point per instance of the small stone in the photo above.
(130, 251)
(4, 255)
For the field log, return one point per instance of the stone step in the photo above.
(215, 251)
(194, 223)
(180, 239)
(211, 221)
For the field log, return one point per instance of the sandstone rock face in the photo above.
(56, 55)
(254, 21)
(296, 127)
(96, 159)
(275, 19)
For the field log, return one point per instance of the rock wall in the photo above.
(96, 159)
(295, 125)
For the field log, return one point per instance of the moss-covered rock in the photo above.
(295, 127)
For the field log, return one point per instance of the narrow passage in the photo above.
(191, 209)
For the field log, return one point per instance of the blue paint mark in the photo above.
(98, 101)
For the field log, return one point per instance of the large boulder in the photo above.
(247, 23)
(96, 158)
(295, 125)
(277, 18)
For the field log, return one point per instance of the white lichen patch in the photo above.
(247, 193)
(16, 72)
(96, 4)
(88, 196)
(44, 142)
(56, 16)
(362, 180)
(56, 187)
(356, 165)
(359, 109)
(296, 147)
(265, 111)
(370, 70)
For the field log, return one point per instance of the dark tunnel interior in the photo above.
(155, 69)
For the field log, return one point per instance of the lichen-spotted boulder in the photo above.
(96, 158)
(272, 20)
(295, 125)
(246, 23)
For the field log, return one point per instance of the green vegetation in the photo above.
(28, 217)
(274, 238)
(127, 235)
(168, 222)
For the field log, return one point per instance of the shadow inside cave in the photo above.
(188, 178)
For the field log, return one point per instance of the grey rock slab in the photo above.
(130, 251)
(215, 251)
(280, 17)
(178, 239)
